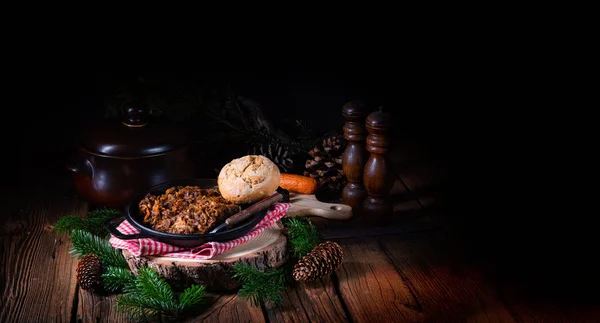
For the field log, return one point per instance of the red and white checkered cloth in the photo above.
(149, 247)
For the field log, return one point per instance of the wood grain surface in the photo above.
(38, 273)
(411, 271)
(229, 308)
(96, 308)
(371, 288)
(313, 302)
(442, 282)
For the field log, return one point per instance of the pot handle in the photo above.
(136, 115)
(81, 166)
(110, 227)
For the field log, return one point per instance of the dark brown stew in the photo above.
(186, 210)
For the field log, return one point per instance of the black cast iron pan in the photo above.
(131, 213)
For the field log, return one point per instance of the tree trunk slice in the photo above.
(268, 250)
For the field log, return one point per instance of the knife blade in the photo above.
(245, 213)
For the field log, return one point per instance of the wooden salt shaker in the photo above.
(378, 172)
(355, 155)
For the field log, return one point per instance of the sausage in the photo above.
(298, 183)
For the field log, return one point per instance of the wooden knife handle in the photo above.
(256, 207)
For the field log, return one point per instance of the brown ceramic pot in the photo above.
(117, 159)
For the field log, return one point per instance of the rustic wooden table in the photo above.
(412, 271)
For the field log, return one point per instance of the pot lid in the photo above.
(135, 135)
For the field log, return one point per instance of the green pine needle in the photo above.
(93, 223)
(69, 223)
(104, 213)
(150, 295)
(136, 308)
(259, 286)
(267, 286)
(150, 285)
(85, 243)
(95, 220)
(115, 279)
(191, 298)
(304, 236)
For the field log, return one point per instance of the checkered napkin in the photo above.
(149, 247)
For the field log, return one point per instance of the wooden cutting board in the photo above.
(308, 205)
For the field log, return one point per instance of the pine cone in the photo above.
(89, 273)
(280, 155)
(322, 261)
(325, 164)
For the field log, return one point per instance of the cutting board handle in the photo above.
(308, 205)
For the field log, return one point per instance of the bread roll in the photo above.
(248, 179)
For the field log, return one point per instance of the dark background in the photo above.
(470, 125)
(56, 107)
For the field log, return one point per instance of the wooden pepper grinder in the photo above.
(378, 173)
(355, 155)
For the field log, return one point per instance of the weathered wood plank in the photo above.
(39, 272)
(446, 288)
(229, 308)
(370, 286)
(313, 302)
(219, 308)
(97, 308)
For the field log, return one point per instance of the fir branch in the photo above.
(95, 226)
(304, 236)
(150, 295)
(69, 223)
(259, 286)
(191, 298)
(115, 279)
(85, 243)
(136, 308)
(267, 286)
(93, 223)
(95, 220)
(103, 213)
(150, 285)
